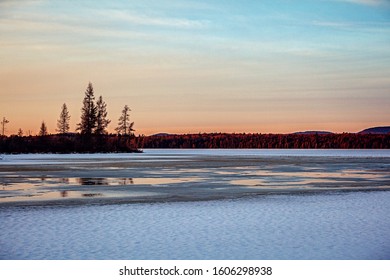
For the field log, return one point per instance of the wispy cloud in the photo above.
(147, 20)
(382, 27)
(366, 2)
(332, 24)
(11, 3)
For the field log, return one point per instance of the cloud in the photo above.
(332, 24)
(367, 27)
(142, 19)
(11, 3)
(366, 2)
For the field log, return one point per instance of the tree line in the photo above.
(78, 143)
(93, 118)
(92, 133)
(68, 143)
(267, 141)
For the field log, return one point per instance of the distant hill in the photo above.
(376, 130)
(161, 134)
(313, 132)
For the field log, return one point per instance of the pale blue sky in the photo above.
(199, 66)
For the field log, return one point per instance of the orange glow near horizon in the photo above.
(144, 128)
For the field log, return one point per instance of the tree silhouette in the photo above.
(267, 141)
(88, 112)
(63, 121)
(124, 125)
(20, 132)
(43, 129)
(3, 123)
(73, 143)
(101, 117)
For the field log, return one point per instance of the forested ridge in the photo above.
(268, 141)
(78, 143)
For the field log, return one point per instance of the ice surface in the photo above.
(323, 226)
(172, 175)
(336, 225)
(177, 154)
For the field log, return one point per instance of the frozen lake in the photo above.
(196, 204)
(353, 225)
(186, 175)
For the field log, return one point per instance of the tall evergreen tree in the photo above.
(43, 129)
(124, 125)
(3, 123)
(88, 112)
(63, 121)
(101, 117)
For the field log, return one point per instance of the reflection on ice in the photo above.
(92, 181)
(25, 189)
(91, 194)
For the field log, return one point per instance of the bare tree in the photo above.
(20, 132)
(43, 129)
(124, 125)
(101, 117)
(88, 112)
(63, 121)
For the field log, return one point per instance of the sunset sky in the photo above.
(198, 66)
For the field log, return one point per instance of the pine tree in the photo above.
(20, 132)
(124, 125)
(101, 117)
(88, 112)
(43, 129)
(3, 123)
(63, 121)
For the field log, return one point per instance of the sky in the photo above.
(271, 66)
